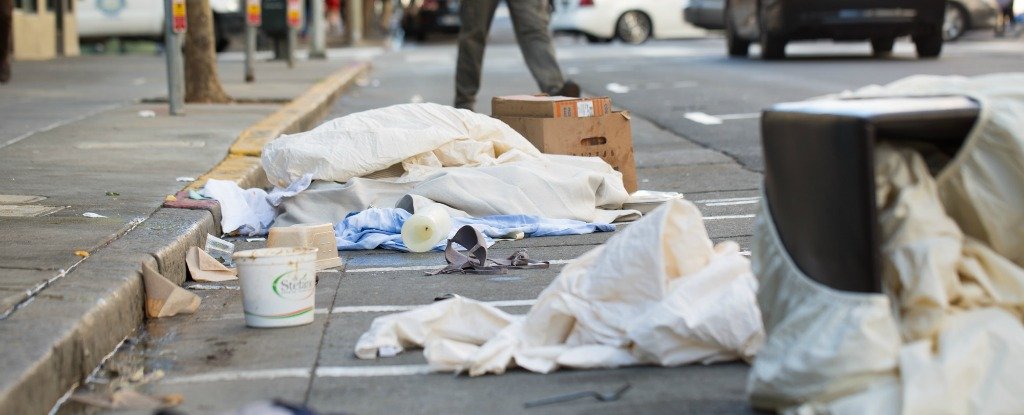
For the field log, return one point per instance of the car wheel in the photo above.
(929, 45)
(955, 23)
(633, 27)
(737, 47)
(882, 46)
(772, 47)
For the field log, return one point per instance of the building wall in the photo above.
(35, 34)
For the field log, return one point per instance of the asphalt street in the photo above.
(695, 129)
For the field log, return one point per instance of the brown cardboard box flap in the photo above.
(549, 106)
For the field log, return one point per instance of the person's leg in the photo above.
(475, 17)
(530, 20)
(6, 39)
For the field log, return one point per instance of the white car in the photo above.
(140, 19)
(632, 21)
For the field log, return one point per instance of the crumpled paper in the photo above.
(164, 298)
(205, 268)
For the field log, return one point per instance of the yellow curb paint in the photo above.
(242, 164)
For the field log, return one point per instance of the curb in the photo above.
(49, 354)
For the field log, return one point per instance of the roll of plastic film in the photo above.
(426, 228)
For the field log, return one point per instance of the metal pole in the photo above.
(250, 52)
(292, 45)
(318, 48)
(175, 63)
(355, 21)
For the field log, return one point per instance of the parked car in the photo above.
(961, 15)
(774, 23)
(99, 20)
(421, 17)
(632, 21)
(964, 15)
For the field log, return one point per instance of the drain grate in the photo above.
(27, 211)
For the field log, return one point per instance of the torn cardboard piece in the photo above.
(164, 298)
(203, 267)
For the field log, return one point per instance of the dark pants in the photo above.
(6, 38)
(530, 21)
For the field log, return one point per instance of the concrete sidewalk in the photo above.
(217, 364)
(74, 139)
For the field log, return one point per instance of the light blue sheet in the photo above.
(382, 228)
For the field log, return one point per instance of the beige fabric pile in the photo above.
(658, 293)
(947, 336)
(472, 163)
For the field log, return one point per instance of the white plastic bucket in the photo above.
(278, 285)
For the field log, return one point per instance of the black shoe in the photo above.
(569, 89)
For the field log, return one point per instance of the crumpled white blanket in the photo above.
(421, 137)
(658, 293)
(464, 160)
(947, 337)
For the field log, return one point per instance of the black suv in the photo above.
(773, 23)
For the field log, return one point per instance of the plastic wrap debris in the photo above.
(381, 228)
(659, 293)
(93, 215)
(220, 250)
(205, 268)
(185, 179)
(600, 396)
(164, 298)
(946, 336)
(147, 114)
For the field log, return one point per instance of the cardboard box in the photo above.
(549, 107)
(607, 136)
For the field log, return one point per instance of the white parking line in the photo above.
(706, 119)
(734, 203)
(728, 217)
(397, 308)
(730, 199)
(303, 373)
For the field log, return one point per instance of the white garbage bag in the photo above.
(659, 293)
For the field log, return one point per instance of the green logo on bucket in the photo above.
(292, 286)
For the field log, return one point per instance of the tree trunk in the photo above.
(201, 82)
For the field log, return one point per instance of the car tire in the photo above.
(734, 44)
(772, 47)
(955, 23)
(929, 45)
(882, 46)
(633, 27)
